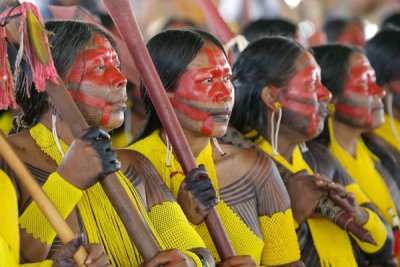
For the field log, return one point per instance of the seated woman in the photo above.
(74, 162)
(279, 104)
(87, 61)
(357, 108)
(254, 206)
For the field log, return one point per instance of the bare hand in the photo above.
(237, 261)
(197, 195)
(169, 258)
(305, 191)
(89, 158)
(64, 256)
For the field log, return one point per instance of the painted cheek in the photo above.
(97, 103)
(355, 112)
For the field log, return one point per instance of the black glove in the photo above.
(101, 143)
(197, 195)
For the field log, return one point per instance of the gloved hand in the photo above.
(89, 158)
(197, 195)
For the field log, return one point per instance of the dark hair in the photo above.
(334, 27)
(267, 61)
(171, 51)
(269, 27)
(391, 22)
(68, 39)
(334, 60)
(383, 52)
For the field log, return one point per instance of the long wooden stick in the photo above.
(45, 205)
(138, 230)
(123, 16)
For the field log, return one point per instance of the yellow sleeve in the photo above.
(63, 195)
(173, 227)
(280, 239)
(378, 231)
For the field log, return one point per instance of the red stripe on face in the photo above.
(95, 102)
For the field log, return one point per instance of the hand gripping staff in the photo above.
(124, 18)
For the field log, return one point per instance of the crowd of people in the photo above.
(297, 147)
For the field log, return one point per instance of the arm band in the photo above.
(63, 195)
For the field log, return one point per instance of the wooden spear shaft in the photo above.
(138, 230)
(123, 16)
(45, 205)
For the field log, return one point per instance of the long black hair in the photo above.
(171, 51)
(383, 52)
(267, 61)
(68, 39)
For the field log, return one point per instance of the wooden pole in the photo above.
(45, 205)
(123, 16)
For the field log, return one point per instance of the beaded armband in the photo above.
(63, 195)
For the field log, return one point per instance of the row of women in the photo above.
(308, 127)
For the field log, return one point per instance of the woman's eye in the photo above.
(208, 80)
(228, 78)
(100, 67)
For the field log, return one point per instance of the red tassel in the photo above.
(7, 95)
(396, 234)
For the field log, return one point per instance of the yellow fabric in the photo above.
(169, 219)
(9, 233)
(331, 242)
(6, 122)
(155, 150)
(100, 220)
(274, 234)
(194, 257)
(362, 170)
(374, 225)
(386, 132)
(63, 195)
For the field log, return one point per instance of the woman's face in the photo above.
(304, 100)
(204, 95)
(98, 86)
(360, 103)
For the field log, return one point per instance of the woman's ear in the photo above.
(269, 95)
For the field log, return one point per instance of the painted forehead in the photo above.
(209, 55)
(100, 45)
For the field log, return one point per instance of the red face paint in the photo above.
(98, 86)
(353, 34)
(204, 96)
(304, 100)
(361, 99)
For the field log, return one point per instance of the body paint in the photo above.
(204, 93)
(97, 84)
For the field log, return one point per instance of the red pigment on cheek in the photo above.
(206, 129)
(298, 107)
(96, 102)
(190, 112)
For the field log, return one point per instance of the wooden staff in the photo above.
(215, 22)
(45, 205)
(124, 18)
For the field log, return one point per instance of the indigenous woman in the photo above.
(74, 162)
(279, 104)
(383, 53)
(87, 60)
(357, 108)
(254, 206)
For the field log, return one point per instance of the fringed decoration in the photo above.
(7, 95)
(36, 46)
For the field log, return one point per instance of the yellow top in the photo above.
(9, 232)
(270, 250)
(386, 132)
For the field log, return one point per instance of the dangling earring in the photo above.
(169, 152)
(303, 147)
(331, 109)
(54, 129)
(389, 104)
(275, 132)
(216, 144)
